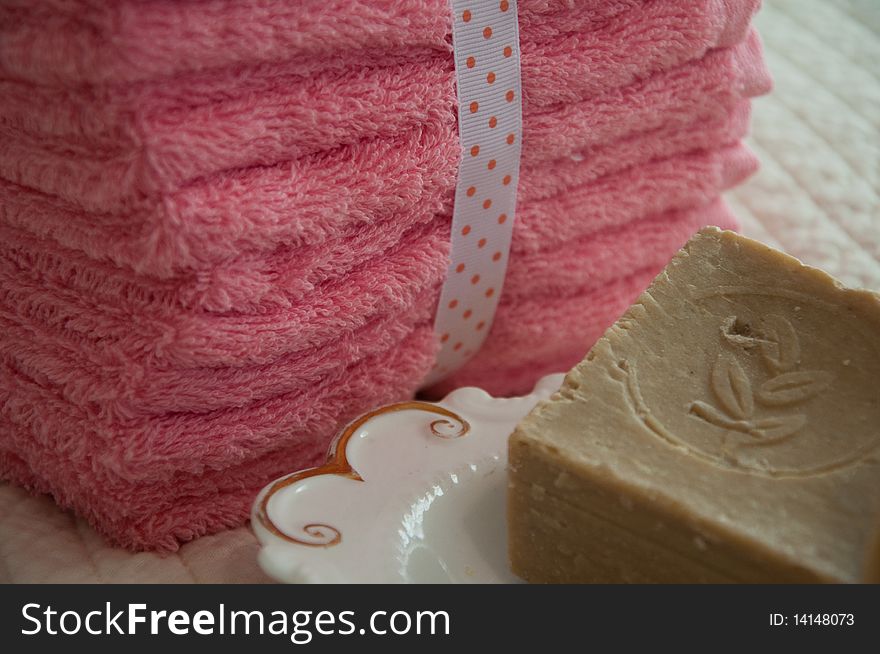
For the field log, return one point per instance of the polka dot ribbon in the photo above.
(485, 37)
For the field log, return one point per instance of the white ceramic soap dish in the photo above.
(411, 493)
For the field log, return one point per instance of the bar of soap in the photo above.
(725, 429)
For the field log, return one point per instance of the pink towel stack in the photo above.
(224, 224)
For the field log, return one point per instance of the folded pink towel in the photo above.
(340, 194)
(256, 281)
(252, 282)
(164, 334)
(134, 390)
(337, 192)
(125, 386)
(173, 444)
(589, 164)
(655, 187)
(114, 333)
(153, 140)
(91, 41)
(70, 42)
(176, 478)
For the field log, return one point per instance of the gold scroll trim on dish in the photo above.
(324, 535)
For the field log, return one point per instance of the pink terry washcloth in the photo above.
(164, 446)
(705, 89)
(563, 62)
(543, 179)
(226, 215)
(176, 478)
(164, 334)
(115, 332)
(609, 253)
(260, 281)
(72, 42)
(138, 391)
(339, 194)
(678, 182)
(88, 359)
(153, 139)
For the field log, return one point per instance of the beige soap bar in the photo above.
(725, 429)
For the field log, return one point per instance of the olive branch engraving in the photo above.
(779, 349)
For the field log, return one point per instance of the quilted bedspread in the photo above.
(816, 197)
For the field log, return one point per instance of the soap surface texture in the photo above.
(725, 429)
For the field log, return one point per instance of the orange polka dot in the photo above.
(471, 191)
(491, 164)
(453, 304)
(493, 121)
(444, 338)
(474, 107)
(506, 180)
(481, 243)
(508, 51)
(459, 268)
(465, 230)
(467, 314)
(490, 292)
(457, 346)
(510, 139)
(502, 219)
(487, 32)
(490, 78)
(466, 15)
(487, 203)
(475, 279)
(505, 5)
(496, 256)
(471, 62)
(480, 325)
(475, 150)
(509, 95)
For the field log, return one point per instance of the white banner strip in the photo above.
(485, 37)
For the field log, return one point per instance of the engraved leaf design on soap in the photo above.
(736, 332)
(794, 387)
(715, 417)
(732, 386)
(780, 346)
(778, 428)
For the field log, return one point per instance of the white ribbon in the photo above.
(485, 36)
